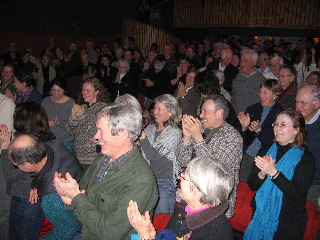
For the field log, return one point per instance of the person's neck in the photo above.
(26, 89)
(197, 205)
(38, 166)
(160, 127)
(223, 65)
(6, 83)
(218, 124)
(249, 73)
(122, 150)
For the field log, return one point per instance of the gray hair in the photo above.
(122, 117)
(219, 74)
(253, 53)
(171, 103)
(125, 62)
(212, 178)
(128, 99)
(277, 58)
(314, 89)
(219, 103)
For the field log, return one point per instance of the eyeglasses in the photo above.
(302, 103)
(283, 75)
(281, 125)
(182, 177)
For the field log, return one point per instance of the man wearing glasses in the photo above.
(308, 104)
(7, 78)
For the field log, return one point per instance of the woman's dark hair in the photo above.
(30, 117)
(60, 82)
(185, 58)
(25, 77)
(107, 56)
(290, 68)
(298, 123)
(207, 84)
(23, 53)
(273, 85)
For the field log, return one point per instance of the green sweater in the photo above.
(103, 209)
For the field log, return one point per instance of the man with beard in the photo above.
(7, 75)
(156, 80)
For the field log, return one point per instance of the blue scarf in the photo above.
(269, 197)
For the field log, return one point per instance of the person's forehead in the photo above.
(304, 93)
(246, 56)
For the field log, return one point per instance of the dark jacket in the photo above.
(288, 96)
(266, 136)
(102, 210)
(209, 224)
(230, 73)
(161, 82)
(61, 160)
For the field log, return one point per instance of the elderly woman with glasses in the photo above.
(205, 186)
(282, 175)
(287, 79)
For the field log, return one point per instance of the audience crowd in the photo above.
(84, 129)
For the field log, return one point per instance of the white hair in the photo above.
(253, 53)
(122, 117)
(212, 178)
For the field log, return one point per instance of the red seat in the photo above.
(243, 213)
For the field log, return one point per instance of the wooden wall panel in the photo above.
(291, 14)
(145, 34)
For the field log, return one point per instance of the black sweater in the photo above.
(293, 216)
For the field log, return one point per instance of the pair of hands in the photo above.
(244, 120)
(77, 110)
(9, 94)
(5, 137)
(141, 223)
(191, 127)
(182, 90)
(67, 187)
(148, 82)
(266, 165)
(54, 122)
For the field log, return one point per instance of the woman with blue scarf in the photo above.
(282, 179)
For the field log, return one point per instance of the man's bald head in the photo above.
(26, 148)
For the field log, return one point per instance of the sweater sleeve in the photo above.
(184, 154)
(302, 178)
(65, 223)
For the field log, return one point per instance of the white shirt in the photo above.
(7, 107)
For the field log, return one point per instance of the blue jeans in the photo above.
(25, 219)
(167, 194)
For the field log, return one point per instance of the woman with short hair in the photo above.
(205, 187)
(256, 123)
(26, 92)
(282, 175)
(58, 107)
(158, 143)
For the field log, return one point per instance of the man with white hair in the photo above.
(275, 64)
(247, 83)
(119, 174)
(224, 65)
(308, 104)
